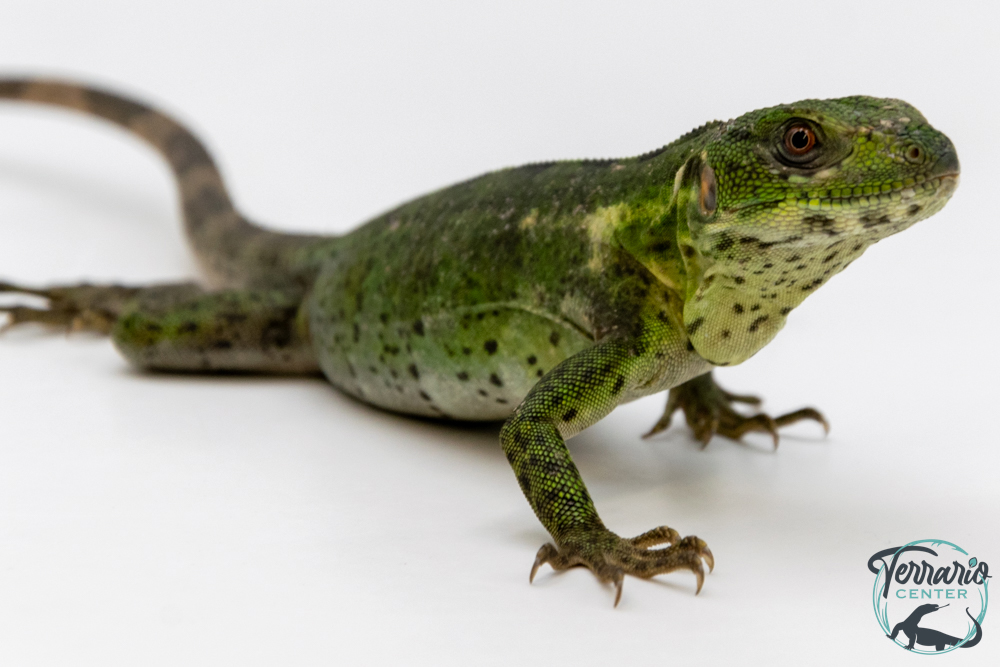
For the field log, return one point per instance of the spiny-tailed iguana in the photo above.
(544, 295)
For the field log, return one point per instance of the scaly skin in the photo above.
(547, 294)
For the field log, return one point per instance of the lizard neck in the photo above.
(649, 223)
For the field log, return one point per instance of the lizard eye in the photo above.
(799, 140)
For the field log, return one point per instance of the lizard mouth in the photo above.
(847, 199)
(885, 195)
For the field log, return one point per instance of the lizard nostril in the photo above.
(915, 154)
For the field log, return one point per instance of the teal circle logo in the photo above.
(930, 596)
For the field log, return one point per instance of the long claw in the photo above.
(804, 413)
(706, 553)
(772, 428)
(664, 422)
(700, 574)
(768, 425)
(619, 580)
(761, 423)
(658, 427)
(542, 557)
(708, 431)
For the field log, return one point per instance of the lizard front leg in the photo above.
(708, 410)
(575, 394)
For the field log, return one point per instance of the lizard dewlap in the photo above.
(545, 295)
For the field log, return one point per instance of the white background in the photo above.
(151, 520)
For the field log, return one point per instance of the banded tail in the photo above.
(232, 251)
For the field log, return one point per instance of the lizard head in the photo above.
(781, 199)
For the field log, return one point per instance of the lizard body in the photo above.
(545, 295)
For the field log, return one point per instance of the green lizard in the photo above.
(544, 295)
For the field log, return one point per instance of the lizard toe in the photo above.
(804, 414)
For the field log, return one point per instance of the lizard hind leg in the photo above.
(82, 307)
(708, 410)
(231, 331)
(181, 327)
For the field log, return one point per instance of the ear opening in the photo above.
(696, 188)
(708, 190)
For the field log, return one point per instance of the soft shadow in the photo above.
(219, 377)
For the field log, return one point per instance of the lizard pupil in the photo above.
(799, 140)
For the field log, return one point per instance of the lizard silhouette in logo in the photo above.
(929, 636)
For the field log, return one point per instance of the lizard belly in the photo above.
(467, 362)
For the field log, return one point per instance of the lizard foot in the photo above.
(708, 410)
(611, 557)
(81, 307)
